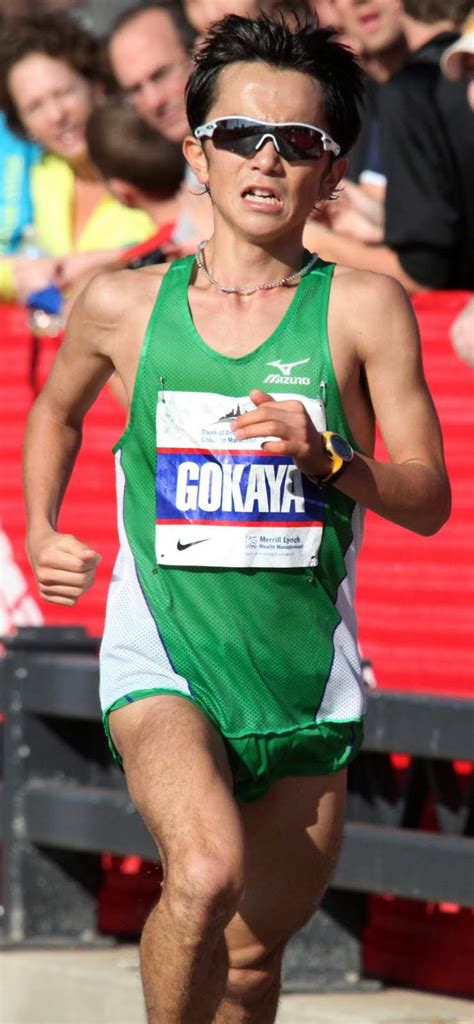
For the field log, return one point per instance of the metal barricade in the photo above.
(64, 802)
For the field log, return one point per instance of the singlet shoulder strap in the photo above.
(177, 276)
(323, 274)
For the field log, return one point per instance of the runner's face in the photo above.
(151, 66)
(53, 102)
(373, 25)
(292, 188)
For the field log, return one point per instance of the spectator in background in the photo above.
(324, 10)
(428, 154)
(373, 29)
(457, 62)
(462, 333)
(140, 167)
(149, 52)
(202, 13)
(144, 171)
(17, 157)
(18, 8)
(428, 146)
(50, 78)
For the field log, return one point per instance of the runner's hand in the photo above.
(289, 421)
(64, 567)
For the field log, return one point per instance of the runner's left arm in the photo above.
(412, 489)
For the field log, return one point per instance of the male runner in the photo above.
(230, 675)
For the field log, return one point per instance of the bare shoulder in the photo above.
(372, 309)
(369, 289)
(111, 298)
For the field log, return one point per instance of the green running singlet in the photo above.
(234, 583)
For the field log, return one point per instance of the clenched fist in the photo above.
(64, 567)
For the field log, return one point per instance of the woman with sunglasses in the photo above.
(230, 676)
(50, 80)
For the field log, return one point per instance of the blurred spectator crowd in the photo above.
(91, 128)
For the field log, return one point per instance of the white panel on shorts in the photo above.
(344, 698)
(132, 654)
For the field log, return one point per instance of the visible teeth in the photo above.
(265, 196)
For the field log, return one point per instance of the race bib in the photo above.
(223, 502)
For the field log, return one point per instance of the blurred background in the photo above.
(101, 182)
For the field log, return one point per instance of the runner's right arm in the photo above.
(65, 566)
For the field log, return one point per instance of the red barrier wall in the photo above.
(89, 507)
(415, 595)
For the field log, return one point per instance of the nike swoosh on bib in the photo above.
(182, 547)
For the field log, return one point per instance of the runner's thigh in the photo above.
(178, 775)
(292, 838)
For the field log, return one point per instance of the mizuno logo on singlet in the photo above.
(285, 375)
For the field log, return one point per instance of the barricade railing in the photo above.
(409, 817)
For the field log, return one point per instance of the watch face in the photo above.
(342, 447)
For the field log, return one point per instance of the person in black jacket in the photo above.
(427, 141)
(428, 148)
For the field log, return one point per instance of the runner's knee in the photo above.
(203, 887)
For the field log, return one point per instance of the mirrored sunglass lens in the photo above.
(240, 136)
(236, 135)
(304, 140)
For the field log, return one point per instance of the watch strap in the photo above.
(338, 464)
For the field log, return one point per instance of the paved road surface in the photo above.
(102, 987)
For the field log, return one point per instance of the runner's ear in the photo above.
(196, 158)
(333, 176)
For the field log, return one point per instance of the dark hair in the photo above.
(186, 32)
(313, 51)
(123, 145)
(55, 35)
(430, 11)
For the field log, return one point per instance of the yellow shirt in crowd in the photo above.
(110, 225)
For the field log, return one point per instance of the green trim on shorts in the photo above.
(322, 748)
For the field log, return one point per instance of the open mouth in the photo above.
(369, 22)
(262, 196)
(70, 136)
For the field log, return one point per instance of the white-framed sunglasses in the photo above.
(244, 135)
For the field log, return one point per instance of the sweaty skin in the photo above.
(378, 374)
(211, 949)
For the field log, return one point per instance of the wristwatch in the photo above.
(340, 452)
